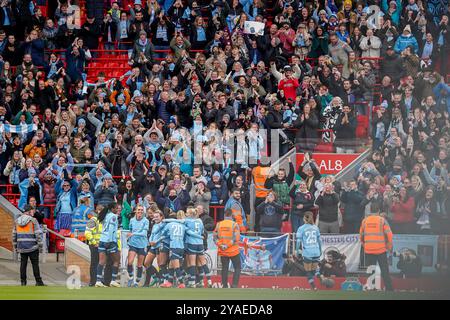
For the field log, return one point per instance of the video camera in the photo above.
(409, 263)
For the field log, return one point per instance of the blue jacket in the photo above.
(23, 187)
(233, 202)
(396, 15)
(80, 218)
(403, 42)
(442, 92)
(59, 192)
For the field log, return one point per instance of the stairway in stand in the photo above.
(113, 63)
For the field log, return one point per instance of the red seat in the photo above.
(324, 147)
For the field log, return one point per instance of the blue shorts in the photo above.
(139, 251)
(108, 247)
(311, 260)
(153, 251)
(164, 248)
(176, 254)
(196, 249)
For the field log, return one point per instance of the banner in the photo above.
(344, 244)
(263, 255)
(252, 27)
(424, 246)
(18, 128)
(329, 163)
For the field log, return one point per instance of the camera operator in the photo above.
(333, 264)
(293, 266)
(409, 264)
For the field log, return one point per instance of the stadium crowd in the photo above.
(197, 78)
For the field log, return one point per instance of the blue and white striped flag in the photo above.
(19, 128)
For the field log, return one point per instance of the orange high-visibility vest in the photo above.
(228, 236)
(260, 175)
(237, 215)
(375, 235)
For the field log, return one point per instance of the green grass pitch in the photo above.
(86, 293)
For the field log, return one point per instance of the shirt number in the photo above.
(311, 237)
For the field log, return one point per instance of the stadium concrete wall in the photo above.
(7, 214)
(76, 253)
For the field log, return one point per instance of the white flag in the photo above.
(253, 27)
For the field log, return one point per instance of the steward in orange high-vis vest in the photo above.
(27, 241)
(260, 174)
(227, 237)
(376, 239)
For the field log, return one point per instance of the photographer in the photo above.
(293, 266)
(409, 263)
(333, 264)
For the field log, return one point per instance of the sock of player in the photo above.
(198, 274)
(147, 277)
(164, 273)
(310, 276)
(191, 271)
(115, 270)
(139, 274)
(158, 275)
(206, 271)
(171, 276)
(317, 274)
(100, 273)
(151, 270)
(130, 270)
(179, 275)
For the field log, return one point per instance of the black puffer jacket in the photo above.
(392, 66)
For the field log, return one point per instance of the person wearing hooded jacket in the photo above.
(405, 40)
(27, 241)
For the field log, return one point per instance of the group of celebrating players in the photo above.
(176, 242)
(178, 245)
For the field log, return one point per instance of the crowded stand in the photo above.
(167, 105)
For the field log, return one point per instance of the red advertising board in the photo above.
(329, 163)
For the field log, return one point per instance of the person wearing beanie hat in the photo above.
(81, 122)
(106, 191)
(405, 40)
(143, 48)
(347, 16)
